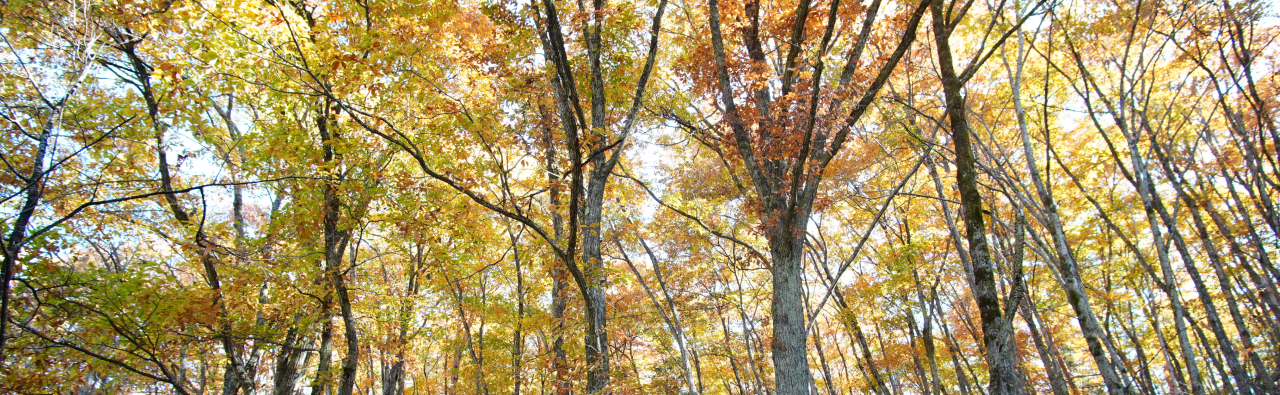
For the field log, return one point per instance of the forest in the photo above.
(552, 197)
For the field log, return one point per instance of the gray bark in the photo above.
(1068, 268)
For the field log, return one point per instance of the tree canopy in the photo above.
(639, 196)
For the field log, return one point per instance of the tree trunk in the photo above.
(320, 384)
(287, 364)
(996, 329)
(786, 310)
(335, 245)
(517, 336)
(17, 234)
(596, 340)
(1068, 268)
(672, 320)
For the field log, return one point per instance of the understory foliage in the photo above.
(639, 196)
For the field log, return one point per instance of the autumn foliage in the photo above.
(639, 196)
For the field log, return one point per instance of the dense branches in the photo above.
(816, 197)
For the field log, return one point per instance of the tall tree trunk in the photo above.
(1158, 241)
(688, 356)
(18, 233)
(1068, 268)
(1244, 383)
(672, 320)
(585, 213)
(912, 336)
(786, 310)
(996, 329)
(320, 384)
(517, 335)
(32, 183)
(559, 274)
(1140, 179)
(288, 363)
(786, 182)
(596, 340)
(393, 378)
(1056, 383)
(335, 246)
(733, 360)
(235, 376)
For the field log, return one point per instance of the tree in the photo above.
(785, 151)
(229, 197)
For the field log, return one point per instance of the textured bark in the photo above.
(320, 383)
(350, 361)
(454, 371)
(996, 329)
(288, 365)
(790, 356)
(596, 340)
(335, 246)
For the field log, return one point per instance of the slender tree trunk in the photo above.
(926, 332)
(913, 337)
(1144, 372)
(996, 329)
(559, 275)
(1244, 383)
(1072, 282)
(17, 234)
(1140, 179)
(393, 379)
(687, 353)
(671, 320)
(879, 385)
(517, 336)
(733, 361)
(827, 377)
(455, 370)
(320, 384)
(1175, 300)
(1056, 383)
(335, 246)
(1174, 369)
(953, 349)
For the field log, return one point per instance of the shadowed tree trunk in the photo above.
(996, 329)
